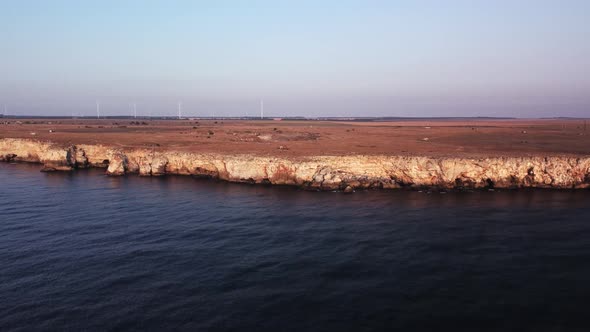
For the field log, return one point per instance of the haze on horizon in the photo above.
(334, 58)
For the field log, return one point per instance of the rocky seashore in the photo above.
(314, 172)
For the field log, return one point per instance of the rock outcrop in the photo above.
(345, 173)
(117, 162)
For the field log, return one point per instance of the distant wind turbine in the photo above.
(97, 110)
(179, 110)
(261, 109)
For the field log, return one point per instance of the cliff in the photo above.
(314, 172)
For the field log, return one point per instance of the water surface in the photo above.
(84, 251)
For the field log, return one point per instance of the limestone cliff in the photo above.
(319, 172)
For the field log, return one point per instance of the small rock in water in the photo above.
(348, 189)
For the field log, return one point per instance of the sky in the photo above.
(303, 58)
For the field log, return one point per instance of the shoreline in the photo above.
(323, 172)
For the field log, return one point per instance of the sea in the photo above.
(82, 251)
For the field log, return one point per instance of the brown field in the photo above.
(470, 138)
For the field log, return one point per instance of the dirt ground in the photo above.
(470, 138)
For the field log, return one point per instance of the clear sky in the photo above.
(311, 58)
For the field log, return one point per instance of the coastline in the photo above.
(321, 172)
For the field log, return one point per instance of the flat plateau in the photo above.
(323, 155)
(428, 137)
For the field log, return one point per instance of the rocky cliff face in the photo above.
(321, 172)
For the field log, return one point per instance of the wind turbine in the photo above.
(135, 110)
(261, 109)
(97, 110)
(179, 110)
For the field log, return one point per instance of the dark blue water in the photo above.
(84, 251)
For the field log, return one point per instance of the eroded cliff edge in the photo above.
(319, 172)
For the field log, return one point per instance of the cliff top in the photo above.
(437, 138)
